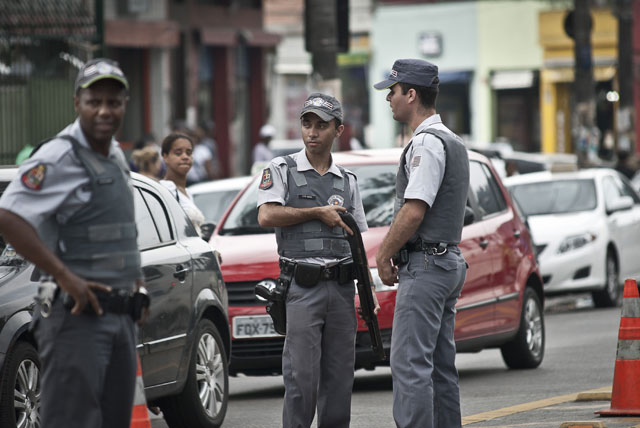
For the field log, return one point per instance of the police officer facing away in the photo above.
(70, 211)
(431, 194)
(301, 195)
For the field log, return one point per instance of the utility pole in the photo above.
(625, 114)
(583, 117)
(99, 13)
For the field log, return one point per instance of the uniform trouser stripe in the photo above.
(628, 350)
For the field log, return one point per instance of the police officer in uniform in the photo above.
(70, 211)
(301, 195)
(431, 195)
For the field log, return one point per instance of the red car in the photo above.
(501, 304)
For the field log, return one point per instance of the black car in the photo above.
(184, 344)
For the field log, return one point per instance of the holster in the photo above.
(277, 299)
(401, 257)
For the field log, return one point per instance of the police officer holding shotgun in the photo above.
(70, 211)
(431, 195)
(301, 195)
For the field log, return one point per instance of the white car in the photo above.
(585, 227)
(214, 197)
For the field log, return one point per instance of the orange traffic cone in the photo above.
(139, 415)
(625, 396)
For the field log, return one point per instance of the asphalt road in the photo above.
(580, 355)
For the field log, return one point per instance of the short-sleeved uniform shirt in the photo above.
(279, 191)
(425, 162)
(53, 184)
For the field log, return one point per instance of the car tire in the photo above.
(611, 294)
(20, 384)
(526, 349)
(203, 401)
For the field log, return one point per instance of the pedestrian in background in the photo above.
(301, 195)
(431, 194)
(70, 211)
(261, 151)
(147, 162)
(177, 153)
(205, 155)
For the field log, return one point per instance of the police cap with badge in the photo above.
(325, 106)
(413, 71)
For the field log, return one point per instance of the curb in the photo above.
(588, 424)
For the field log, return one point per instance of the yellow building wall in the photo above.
(557, 75)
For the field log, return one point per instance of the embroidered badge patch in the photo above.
(267, 179)
(415, 162)
(336, 200)
(34, 178)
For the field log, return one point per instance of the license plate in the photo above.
(253, 326)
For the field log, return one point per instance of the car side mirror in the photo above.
(206, 230)
(620, 204)
(469, 215)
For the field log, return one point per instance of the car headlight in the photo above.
(575, 242)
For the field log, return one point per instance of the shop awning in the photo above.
(448, 77)
(218, 37)
(260, 38)
(512, 79)
(141, 34)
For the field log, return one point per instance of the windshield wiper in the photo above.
(246, 230)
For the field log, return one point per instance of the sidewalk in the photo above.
(565, 411)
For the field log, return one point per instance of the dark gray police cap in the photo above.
(414, 71)
(325, 106)
(99, 69)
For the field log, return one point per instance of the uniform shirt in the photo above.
(425, 162)
(279, 192)
(63, 188)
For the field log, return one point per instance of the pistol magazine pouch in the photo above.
(308, 274)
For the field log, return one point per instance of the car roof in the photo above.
(536, 177)
(233, 183)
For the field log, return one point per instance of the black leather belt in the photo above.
(342, 273)
(115, 302)
(431, 248)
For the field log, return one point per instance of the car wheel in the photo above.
(611, 294)
(526, 349)
(20, 388)
(203, 401)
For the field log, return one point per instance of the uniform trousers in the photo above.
(88, 369)
(319, 355)
(425, 379)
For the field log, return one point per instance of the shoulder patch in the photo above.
(415, 162)
(34, 178)
(267, 179)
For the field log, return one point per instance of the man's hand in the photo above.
(328, 214)
(376, 305)
(387, 272)
(81, 291)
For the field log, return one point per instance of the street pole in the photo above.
(99, 12)
(625, 114)
(583, 117)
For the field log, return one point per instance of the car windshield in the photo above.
(556, 197)
(213, 204)
(377, 189)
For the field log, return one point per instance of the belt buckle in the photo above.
(440, 250)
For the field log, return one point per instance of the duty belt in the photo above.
(431, 248)
(118, 301)
(342, 272)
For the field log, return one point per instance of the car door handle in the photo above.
(484, 243)
(180, 272)
(516, 233)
